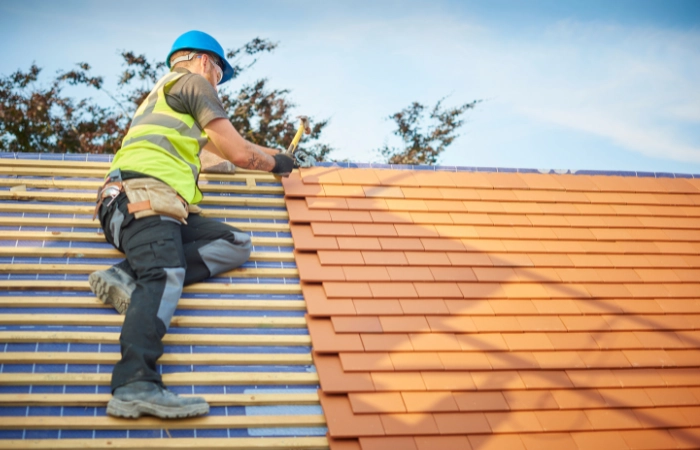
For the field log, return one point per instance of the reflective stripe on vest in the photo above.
(174, 140)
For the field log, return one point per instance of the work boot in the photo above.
(145, 397)
(113, 287)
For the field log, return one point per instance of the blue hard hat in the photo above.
(198, 40)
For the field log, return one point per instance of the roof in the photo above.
(492, 310)
(239, 339)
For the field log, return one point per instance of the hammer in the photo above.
(304, 127)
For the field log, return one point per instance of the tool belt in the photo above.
(147, 197)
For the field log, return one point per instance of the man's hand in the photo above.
(283, 164)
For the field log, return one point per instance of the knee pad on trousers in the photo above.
(226, 253)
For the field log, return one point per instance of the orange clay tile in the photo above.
(356, 324)
(429, 307)
(317, 303)
(300, 213)
(295, 187)
(342, 422)
(345, 290)
(340, 258)
(403, 361)
(322, 329)
(374, 308)
(386, 342)
(377, 402)
(427, 402)
(381, 443)
(365, 362)
(334, 379)
(365, 273)
(501, 310)
(393, 244)
(416, 230)
(304, 239)
(332, 229)
(350, 216)
(421, 193)
(343, 191)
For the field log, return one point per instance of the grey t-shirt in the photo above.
(192, 94)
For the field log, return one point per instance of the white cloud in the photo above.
(635, 87)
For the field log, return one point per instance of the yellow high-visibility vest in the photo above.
(164, 143)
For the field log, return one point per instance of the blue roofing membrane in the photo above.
(66, 347)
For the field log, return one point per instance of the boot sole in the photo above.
(109, 294)
(135, 409)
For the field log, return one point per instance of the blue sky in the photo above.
(566, 84)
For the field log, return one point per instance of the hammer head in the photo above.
(305, 122)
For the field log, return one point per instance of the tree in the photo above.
(34, 118)
(423, 144)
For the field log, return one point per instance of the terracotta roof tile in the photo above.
(376, 402)
(374, 307)
(424, 306)
(495, 442)
(430, 307)
(359, 176)
(404, 381)
(427, 402)
(344, 290)
(343, 423)
(343, 191)
(416, 361)
(503, 310)
(343, 444)
(409, 424)
(382, 443)
(530, 400)
(310, 268)
(304, 239)
(366, 204)
(295, 187)
(462, 423)
(386, 342)
(365, 362)
(390, 244)
(442, 443)
(340, 258)
(322, 331)
(464, 361)
(434, 342)
(578, 398)
(332, 229)
(300, 213)
(408, 324)
(399, 273)
(344, 324)
(350, 216)
(421, 193)
(366, 273)
(334, 378)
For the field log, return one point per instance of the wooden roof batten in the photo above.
(248, 349)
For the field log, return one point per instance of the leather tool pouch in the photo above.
(150, 197)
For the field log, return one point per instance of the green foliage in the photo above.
(34, 118)
(423, 144)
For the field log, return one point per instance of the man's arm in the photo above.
(231, 146)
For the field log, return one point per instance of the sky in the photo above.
(565, 84)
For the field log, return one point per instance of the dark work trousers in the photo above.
(162, 255)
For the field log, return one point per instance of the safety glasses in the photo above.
(218, 65)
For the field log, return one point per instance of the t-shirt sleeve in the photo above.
(193, 95)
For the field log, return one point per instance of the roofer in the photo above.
(147, 209)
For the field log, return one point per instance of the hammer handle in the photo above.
(297, 138)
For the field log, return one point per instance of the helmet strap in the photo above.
(187, 57)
